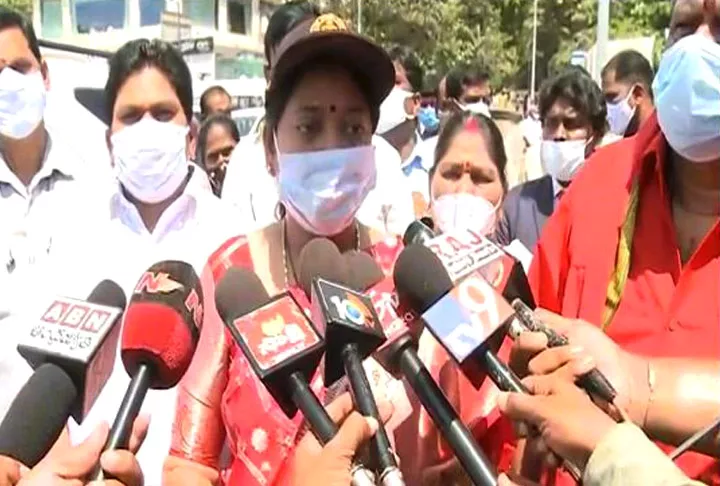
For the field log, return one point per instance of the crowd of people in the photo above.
(619, 234)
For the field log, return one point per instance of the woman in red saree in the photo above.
(326, 86)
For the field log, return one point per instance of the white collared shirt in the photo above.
(253, 191)
(31, 219)
(190, 229)
(416, 168)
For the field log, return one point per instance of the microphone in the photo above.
(72, 351)
(37, 415)
(160, 333)
(507, 276)
(352, 333)
(419, 232)
(463, 252)
(399, 357)
(462, 318)
(363, 271)
(282, 347)
(593, 382)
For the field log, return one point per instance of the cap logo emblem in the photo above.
(328, 23)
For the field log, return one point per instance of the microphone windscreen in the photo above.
(428, 221)
(156, 335)
(418, 232)
(162, 322)
(239, 292)
(321, 258)
(37, 415)
(420, 278)
(93, 100)
(363, 270)
(108, 293)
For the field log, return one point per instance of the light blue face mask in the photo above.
(687, 97)
(323, 190)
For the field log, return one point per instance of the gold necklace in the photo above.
(287, 262)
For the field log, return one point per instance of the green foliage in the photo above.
(447, 33)
(23, 6)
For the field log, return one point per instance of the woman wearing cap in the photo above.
(326, 87)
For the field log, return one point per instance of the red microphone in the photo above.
(160, 333)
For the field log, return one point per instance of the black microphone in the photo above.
(38, 414)
(352, 333)
(72, 350)
(594, 381)
(465, 253)
(399, 357)
(419, 232)
(282, 347)
(363, 271)
(464, 318)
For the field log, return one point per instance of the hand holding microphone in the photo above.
(11, 471)
(566, 420)
(332, 464)
(71, 466)
(587, 348)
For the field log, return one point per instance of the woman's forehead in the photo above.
(331, 90)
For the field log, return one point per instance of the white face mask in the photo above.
(22, 102)
(150, 158)
(687, 97)
(324, 189)
(463, 211)
(619, 115)
(477, 108)
(562, 160)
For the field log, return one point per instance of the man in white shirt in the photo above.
(398, 126)
(43, 180)
(158, 210)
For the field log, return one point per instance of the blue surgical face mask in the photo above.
(323, 190)
(687, 97)
(428, 118)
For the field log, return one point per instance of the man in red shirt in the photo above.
(635, 244)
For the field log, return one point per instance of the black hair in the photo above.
(277, 99)
(10, 18)
(284, 19)
(458, 79)
(407, 58)
(581, 92)
(209, 92)
(217, 119)
(489, 131)
(138, 54)
(631, 67)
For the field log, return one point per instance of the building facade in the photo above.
(236, 28)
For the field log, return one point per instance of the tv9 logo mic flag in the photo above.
(345, 317)
(465, 318)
